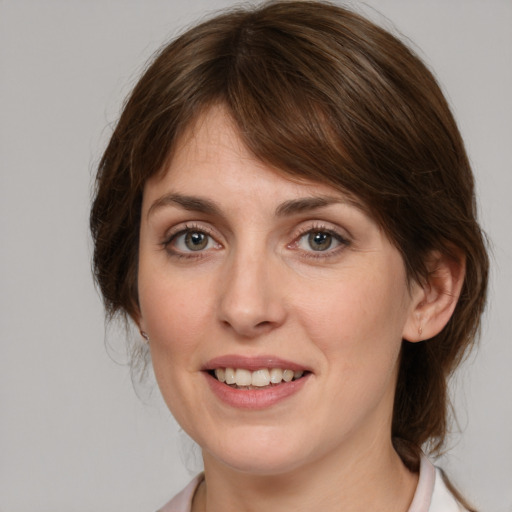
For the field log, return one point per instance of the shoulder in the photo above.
(182, 502)
(432, 494)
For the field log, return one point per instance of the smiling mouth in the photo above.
(240, 378)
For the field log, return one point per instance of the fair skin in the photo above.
(240, 265)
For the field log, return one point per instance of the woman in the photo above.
(286, 211)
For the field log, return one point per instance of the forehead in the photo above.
(211, 157)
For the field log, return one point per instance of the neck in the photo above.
(369, 478)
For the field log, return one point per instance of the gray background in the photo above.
(73, 434)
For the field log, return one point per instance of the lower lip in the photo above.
(255, 398)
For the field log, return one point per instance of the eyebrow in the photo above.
(305, 204)
(286, 209)
(191, 203)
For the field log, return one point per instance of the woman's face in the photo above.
(248, 273)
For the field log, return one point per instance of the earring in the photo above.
(145, 335)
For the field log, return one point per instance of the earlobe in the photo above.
(139, 322)
(142, 330)
(434, 300)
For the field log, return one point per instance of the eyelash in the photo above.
(167, 243)
(321, 228)
(315, 228)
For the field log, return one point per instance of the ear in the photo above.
(138, 320)
(434, 300)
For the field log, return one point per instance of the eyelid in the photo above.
(320, 226)
(183, 227)
(341, 235)
(180, 230)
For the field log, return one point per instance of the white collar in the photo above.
(431, 494)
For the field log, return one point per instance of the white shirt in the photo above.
(431, 495)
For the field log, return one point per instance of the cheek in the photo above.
(174, 313)
(174, 310)
(357, 321)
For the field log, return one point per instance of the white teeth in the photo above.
(276, 375)
(288, 375)
(230, 376)
(259, 378)
(243, 377)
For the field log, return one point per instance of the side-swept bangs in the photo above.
(319, 93)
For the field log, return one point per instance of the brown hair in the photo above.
(320, 93)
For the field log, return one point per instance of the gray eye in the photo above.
(196, 241)
(320, 240)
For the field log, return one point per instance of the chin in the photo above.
(256, 464)
(258, 453)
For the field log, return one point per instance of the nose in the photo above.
(251, 296)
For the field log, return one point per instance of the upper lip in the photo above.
(252, 363)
